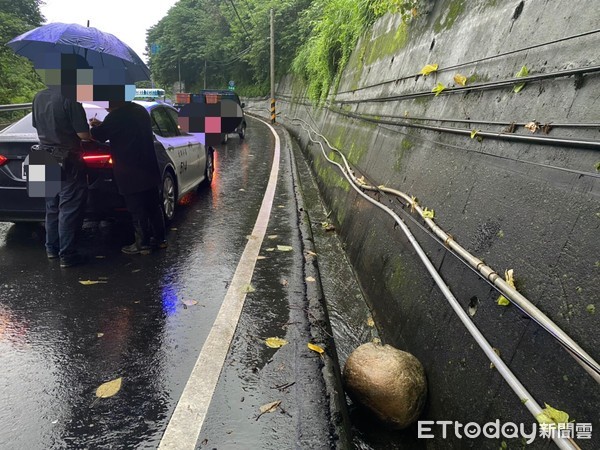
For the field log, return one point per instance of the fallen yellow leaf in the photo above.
(275, 342)
(310, 279)
(474, 133)
(550, 415)
(284, 248)
(508, 276)
(460, 79)
(370, 322)
(189, 302)
(309, 253)
(429, 68)
(438, 89)
(248, 288)
(269, 407)
(532, 126)
(316, 348)
(273, 236)
(428, 213)
(90, 282)
(109, 388)
(272, 249)
(100, 335)
(259, 257)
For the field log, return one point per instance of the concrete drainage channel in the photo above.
(349, 314)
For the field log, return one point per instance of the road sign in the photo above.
(232, 84)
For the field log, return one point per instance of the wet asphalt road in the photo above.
(60, 340)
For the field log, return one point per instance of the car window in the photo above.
(162, 123)
(175, 118)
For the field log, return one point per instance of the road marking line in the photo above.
(186, 422)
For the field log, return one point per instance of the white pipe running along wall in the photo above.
(505, 372)
(581, 356)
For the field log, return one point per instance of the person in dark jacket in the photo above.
(136, 171)
(61, 124)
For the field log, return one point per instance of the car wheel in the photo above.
(210, 167)
(242, 132)
(224, 138)
(169, 194)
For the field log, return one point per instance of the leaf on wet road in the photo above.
(248, 288)
(316, 348)
(284, 282)
(259, 257)
(100, 335)
(275, 342)
(309, 253)
(428, 69)
(460, 79)
(310, 279)
(474, 133)
(272, 249)
(173, 229)
(273, 236)
(284, 248)
(109, 388)
(270, 407)
(91, 282)
(370, 322)
(189, 302)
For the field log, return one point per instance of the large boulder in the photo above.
(389, 382)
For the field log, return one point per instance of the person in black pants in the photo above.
(136, 171)
(61, 125)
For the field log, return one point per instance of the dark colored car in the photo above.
(221, 94)
(184, 162)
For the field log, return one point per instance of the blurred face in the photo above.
(70, 74)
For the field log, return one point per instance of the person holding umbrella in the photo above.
(61, 125)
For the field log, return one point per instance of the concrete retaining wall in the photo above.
(508, 203)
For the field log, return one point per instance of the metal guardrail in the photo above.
(15, 107)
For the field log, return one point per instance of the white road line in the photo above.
(186, 422)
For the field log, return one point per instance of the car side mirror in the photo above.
(243, 105)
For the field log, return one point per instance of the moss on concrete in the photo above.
(477, 78)
(387, 44)
(405, 146)
(451, 12)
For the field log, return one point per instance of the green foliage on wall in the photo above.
(334, 27)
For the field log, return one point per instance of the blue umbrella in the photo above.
(44, 46)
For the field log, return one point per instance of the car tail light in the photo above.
(3, 160)
(98, 160)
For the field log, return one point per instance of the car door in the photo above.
(196, 154)
(176, 146)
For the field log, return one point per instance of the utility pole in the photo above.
(273, 115)
(205, 74)
(179, 69)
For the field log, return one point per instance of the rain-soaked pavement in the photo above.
(148, 317)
